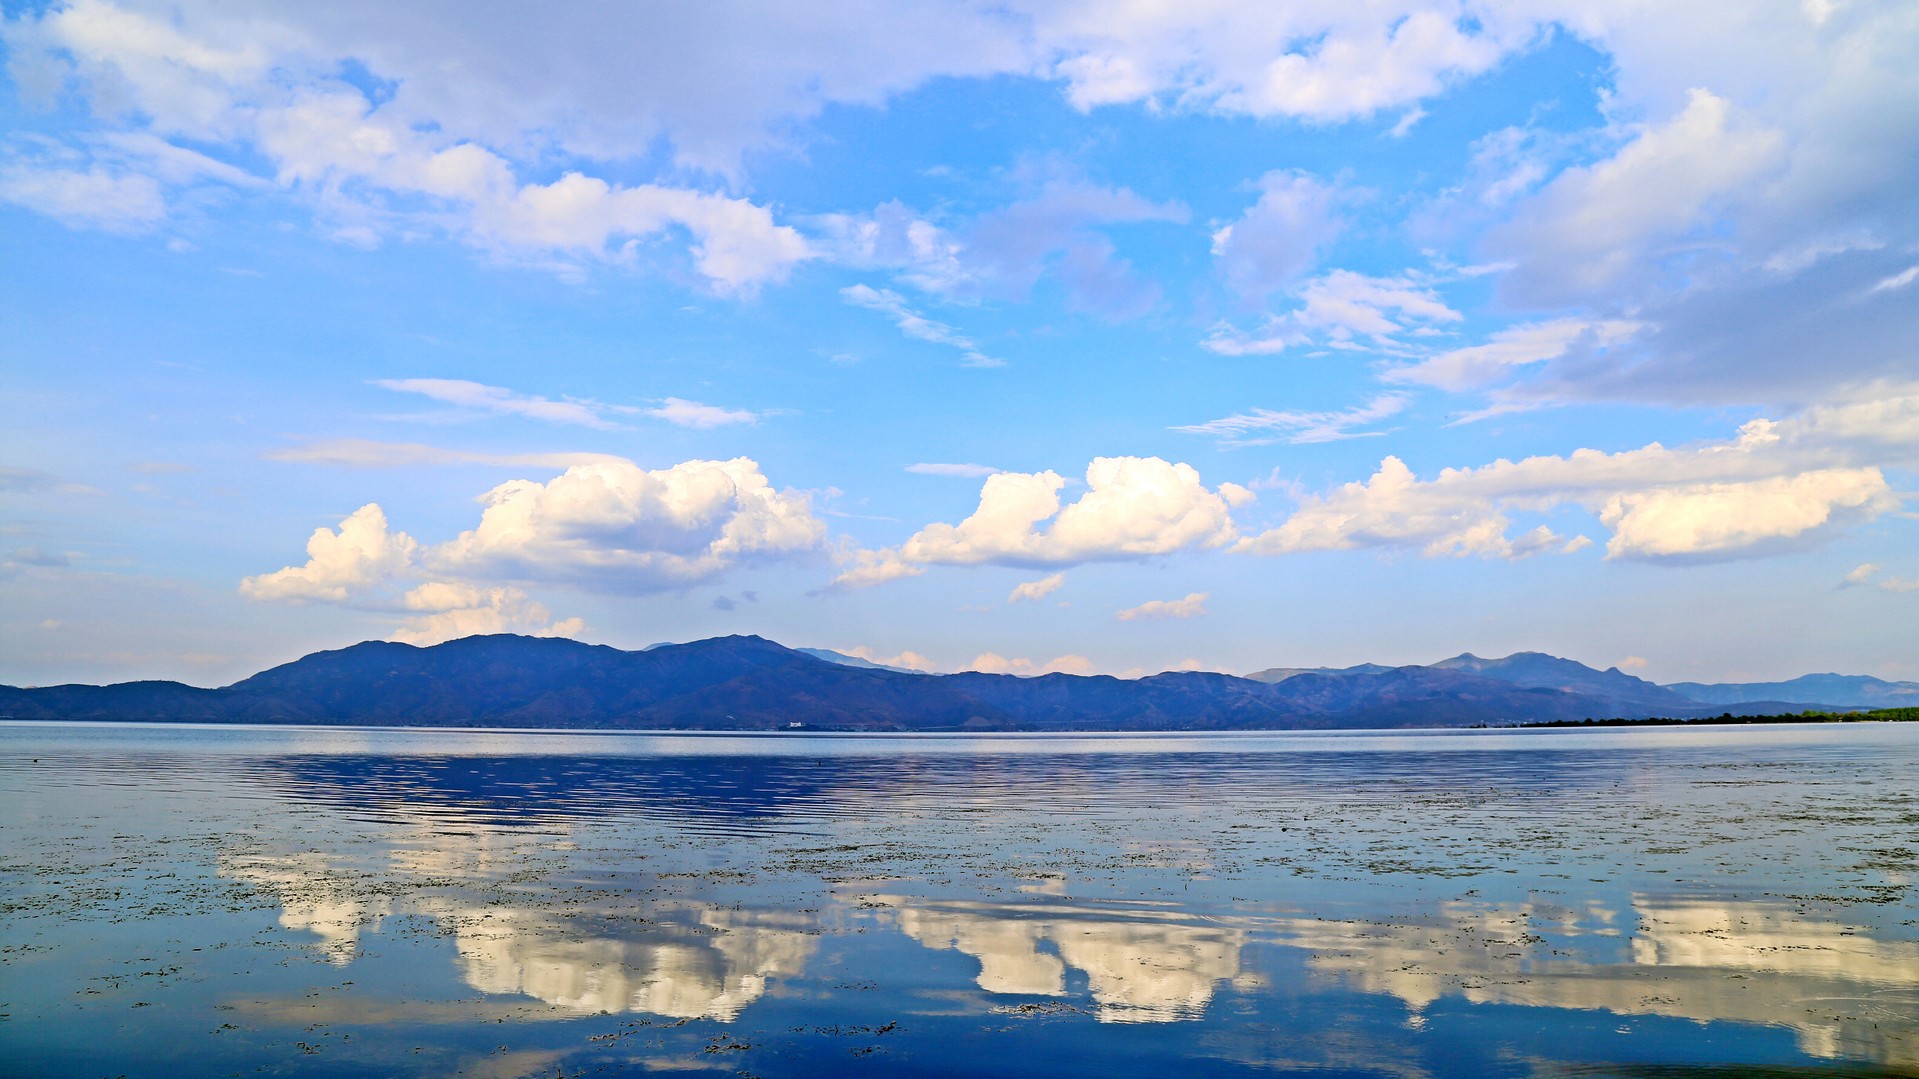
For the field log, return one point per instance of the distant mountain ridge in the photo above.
(749, 683)
(1850, 690)
(1539, 670)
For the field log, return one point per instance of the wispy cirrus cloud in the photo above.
(1343, 310)
(967, 471)
(916, 325)
(371, 453)
(479, 397)
(1261, 426)
(683, 413)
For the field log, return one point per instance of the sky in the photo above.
(1025, 336)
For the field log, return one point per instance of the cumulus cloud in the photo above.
(994, 663)
(1261, 426)
(1134, 507)
(1036, 590)
(618, 527)
(1711, 520)
(450, 610)
(907, 658)
(607, 525)
(1192, 606)
(361, 554)
(1777, 485)
(1280, 236)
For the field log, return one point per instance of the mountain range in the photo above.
(749, 683)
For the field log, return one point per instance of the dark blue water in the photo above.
(181, 901)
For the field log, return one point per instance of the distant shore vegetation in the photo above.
(1876, 715)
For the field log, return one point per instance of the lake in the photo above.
(1665, 902)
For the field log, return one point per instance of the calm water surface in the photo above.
(183, 901)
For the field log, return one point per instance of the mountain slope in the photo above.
(1840, 690)
(1540, 671)
(749, 683)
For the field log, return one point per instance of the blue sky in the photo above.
(1085, 337)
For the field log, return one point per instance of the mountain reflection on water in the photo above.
(1581, 907)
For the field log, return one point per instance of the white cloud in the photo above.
(260, 86)
(683, 413)
(607, 525)
(1595, 224)
(994, 663)
(1338, 309)
(736, 244)
(1897, 281)
(1193, 606)
(908, 658)
(1036, 590)
(483, 398)
(1777, 485)
(450, 610)
(618, 527)
(865, 569)
(964, 471)
(360, 556)
(1261, 426)
(915, 325)
(1712, 520)
(1317, 62)
(1237, 496)
(1862, 574)
(368, 453)
(1280, 236)
(93, 198)
(1516, 346)
(1135, 507)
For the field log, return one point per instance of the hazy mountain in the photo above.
(845, 660)
(1280, 674)
(1541, 671)
(748, 683)
(1843, 690)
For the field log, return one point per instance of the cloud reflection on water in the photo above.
(1845, 994)
(1153, 967)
